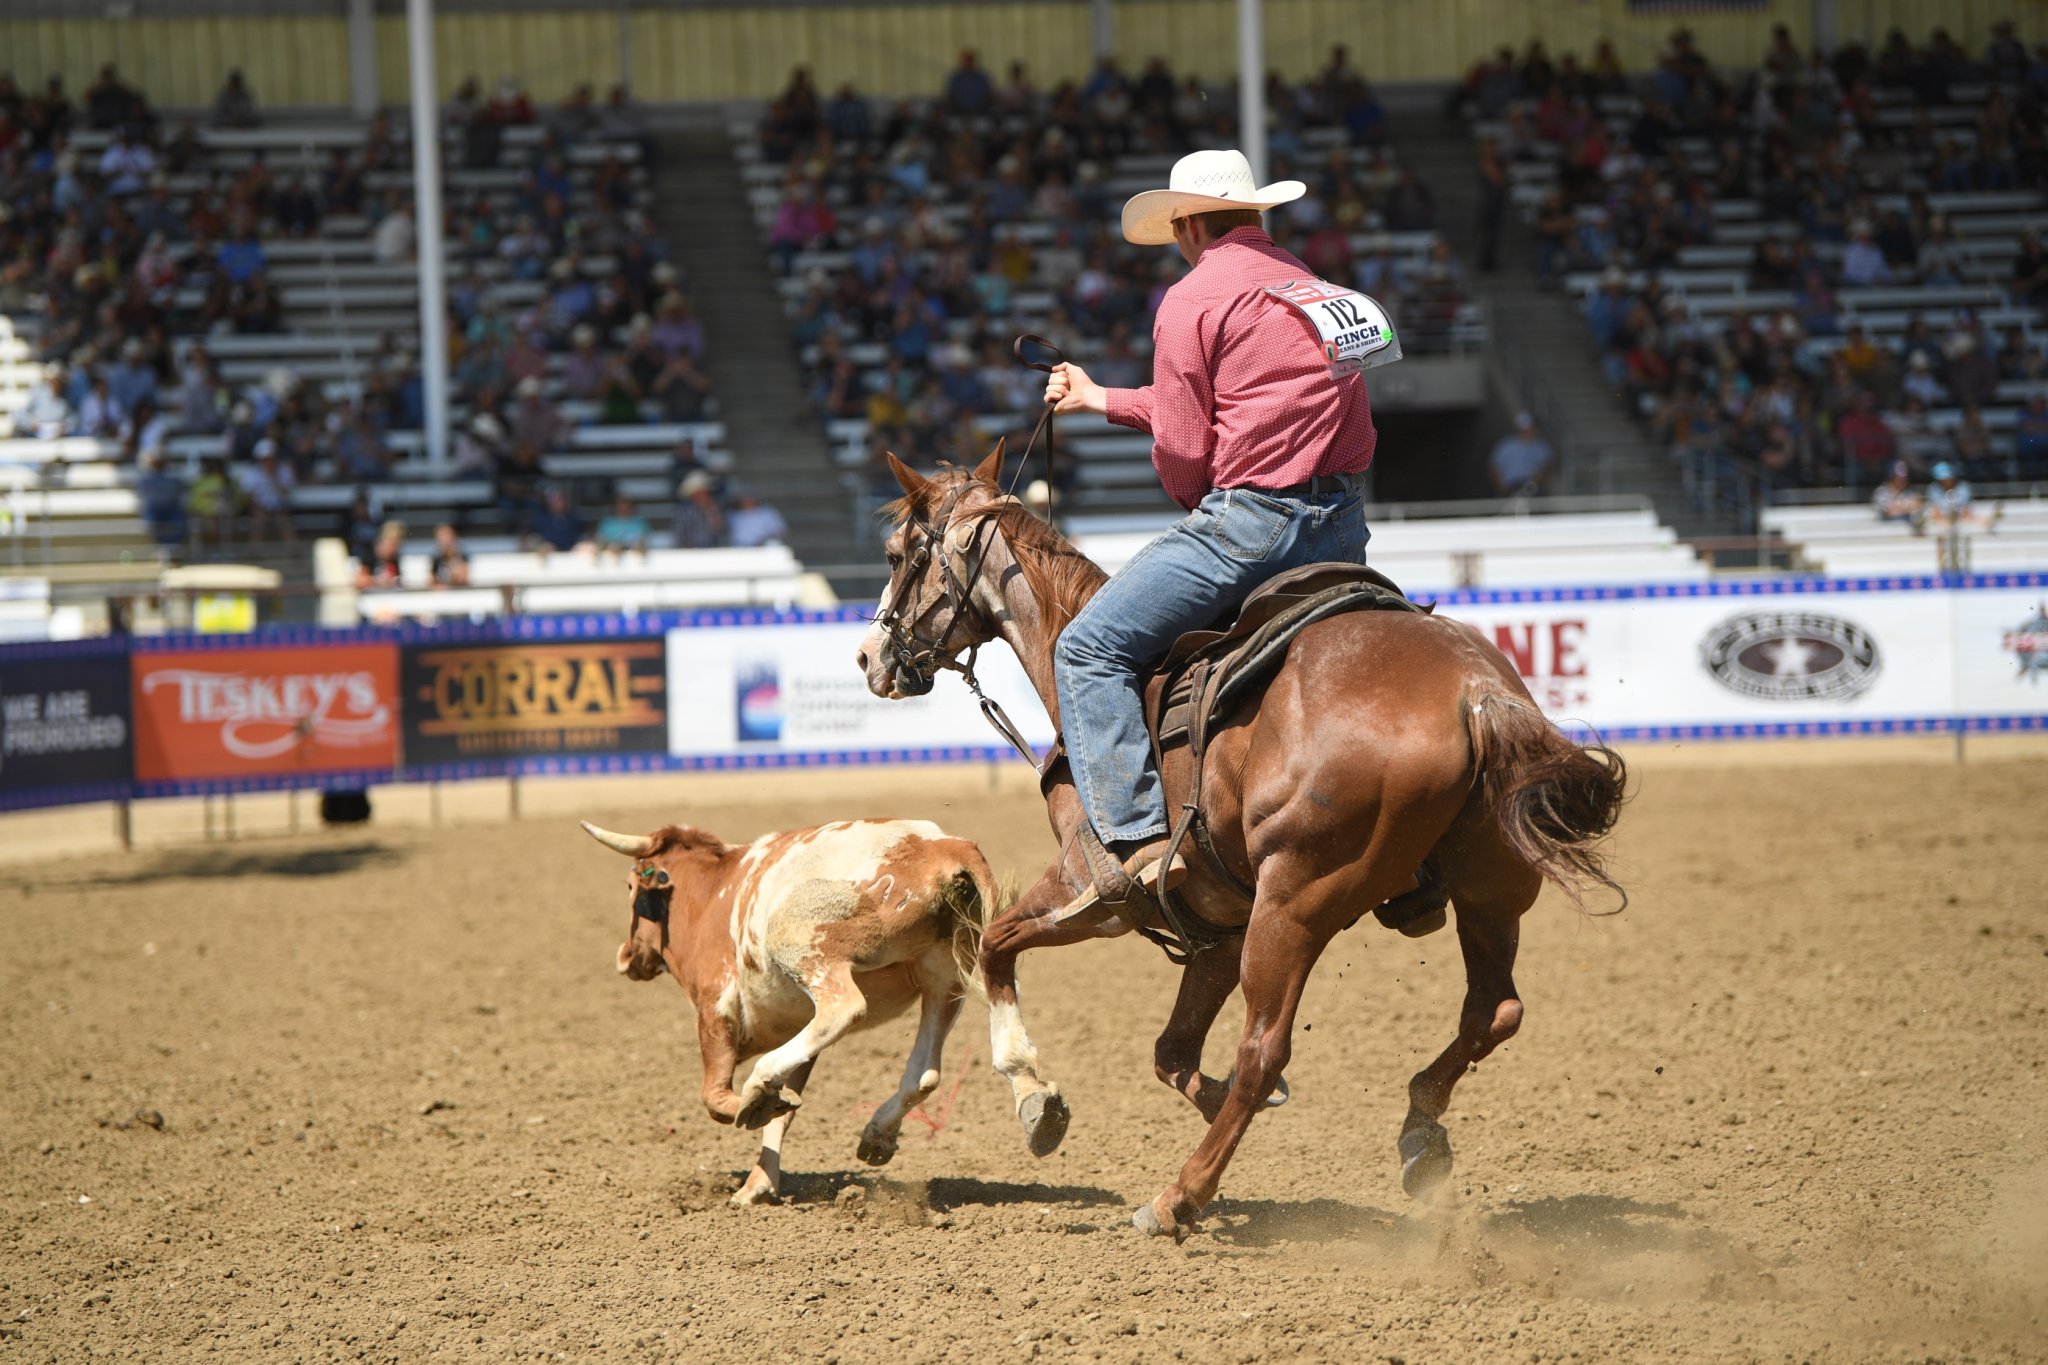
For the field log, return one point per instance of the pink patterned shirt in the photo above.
(1241, 396)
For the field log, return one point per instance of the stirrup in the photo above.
(1113, 885)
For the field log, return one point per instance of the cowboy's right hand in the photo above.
(1069, 389)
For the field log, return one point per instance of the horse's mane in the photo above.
(1059, 576)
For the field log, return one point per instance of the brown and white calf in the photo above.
(787, 944)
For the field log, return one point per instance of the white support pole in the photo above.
(1103, 28)
(1251, 85)
(1827, 25)
(362, 57)
(426, 182)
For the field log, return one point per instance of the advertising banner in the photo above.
(1800, 658)
(501, 702)
(65, 733)
(766, 691)
(117, 718)
(245, 712)
(2001, 652)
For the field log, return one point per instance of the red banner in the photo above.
(223, 713)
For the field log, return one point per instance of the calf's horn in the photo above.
(632, 845)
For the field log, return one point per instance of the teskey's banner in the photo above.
(496, 703)
(223, 714)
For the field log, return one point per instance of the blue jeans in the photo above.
(1194, 576)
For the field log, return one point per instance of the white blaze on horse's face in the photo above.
(876, 662)
(878, 656)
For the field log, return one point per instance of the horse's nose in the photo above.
(862, 657)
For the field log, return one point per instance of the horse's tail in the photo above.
(1552, 799)
(972, 897)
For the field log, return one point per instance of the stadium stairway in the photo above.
(1542, 354)
(778, 446)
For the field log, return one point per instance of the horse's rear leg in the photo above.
(1035, 921)
(1489, 931)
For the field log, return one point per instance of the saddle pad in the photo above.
(1251, 649)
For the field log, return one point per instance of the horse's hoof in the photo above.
(1045, 1117)
(1420, 909)
(1425, 1159)
(1426, 924)
(755, 1192)
(1278, 1096)
(1145, 1218)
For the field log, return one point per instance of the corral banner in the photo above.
(65, 728)
(246, 715)
(480, 706)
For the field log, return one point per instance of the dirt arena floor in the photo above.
(377, 1094)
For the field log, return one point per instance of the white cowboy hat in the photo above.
(1202, 182)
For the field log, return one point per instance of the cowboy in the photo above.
(1256, 432)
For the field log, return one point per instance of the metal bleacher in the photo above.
(68, 509)
(1848, 540)
(1429, 549)
(1111, 465)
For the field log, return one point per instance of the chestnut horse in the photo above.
(1386, 738)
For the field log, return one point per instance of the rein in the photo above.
(1044, 426)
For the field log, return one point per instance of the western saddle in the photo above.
(1206, 676)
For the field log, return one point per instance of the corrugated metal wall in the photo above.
(731, 52)
(301, 60)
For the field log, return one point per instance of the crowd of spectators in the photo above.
(1799, 393)
(126, 261)
(926, 199)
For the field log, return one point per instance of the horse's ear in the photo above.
(991, 469)
(912, 481)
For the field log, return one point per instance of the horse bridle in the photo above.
(916, 656)
(919, 659)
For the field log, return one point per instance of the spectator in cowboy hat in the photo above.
(1921, 382)
(699, 522)
(535, 422)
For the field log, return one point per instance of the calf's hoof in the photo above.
(1151, 1220)
(876, 1149)
(757, 1107)
(1045, 1117)
(1425, 1159)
